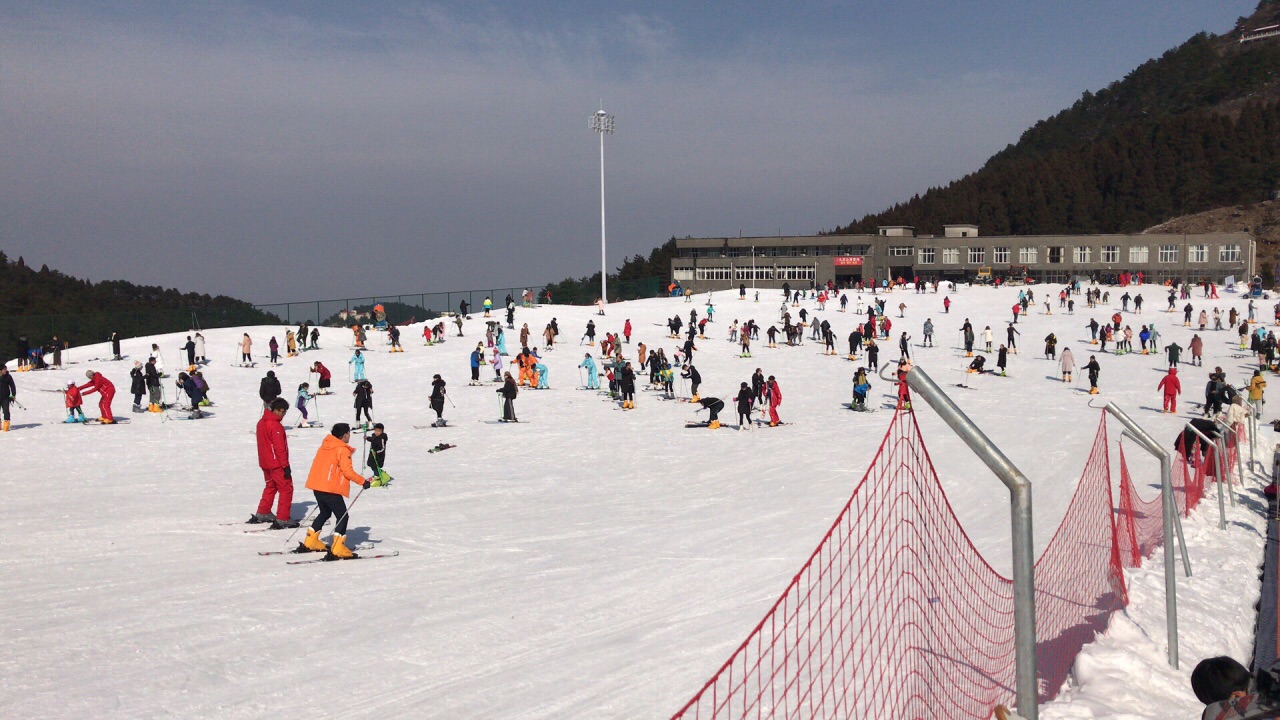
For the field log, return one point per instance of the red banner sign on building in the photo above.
(847, 260)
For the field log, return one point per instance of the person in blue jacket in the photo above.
(593, 379)
(544, 376)
(501, 341)
(477, 356)
(358, 361)
(194, 394)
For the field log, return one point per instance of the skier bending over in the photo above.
(714, 405)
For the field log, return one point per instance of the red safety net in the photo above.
(897, 615)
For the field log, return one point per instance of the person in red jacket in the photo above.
(1172, 387)
(626, 331)
(273, 458)
(99, 384)
(324, 374)
(775, 399)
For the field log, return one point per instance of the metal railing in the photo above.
(400, 308)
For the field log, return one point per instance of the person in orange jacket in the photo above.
(1171, 387)
(99, 384)
(330, 477)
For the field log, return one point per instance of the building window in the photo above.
(734, 252)
(1001, 256)
(786, 272)
(1138, 254)
(1110, 253)
(769, 252)
(925, 255)
(1229, 253)
(950, 256)
(1198, 253)
(1028, 255)
(682, 274)
(819, 250)
(713, 273)
(1083, 254)
(1056, 255)
(977, 256)
(901, 251)
(761, 273)
(1168, 253)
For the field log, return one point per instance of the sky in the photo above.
(294, 151)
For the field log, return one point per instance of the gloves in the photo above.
(366, 485)
(288, 472)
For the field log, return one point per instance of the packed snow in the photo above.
(588, 562)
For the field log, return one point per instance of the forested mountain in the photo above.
(40, 304)
(1191, 130)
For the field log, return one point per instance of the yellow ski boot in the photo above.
(339, 549)
(312, 543)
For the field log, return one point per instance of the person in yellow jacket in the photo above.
(330, 478)
(1256, 386)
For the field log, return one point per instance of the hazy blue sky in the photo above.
(312, 149)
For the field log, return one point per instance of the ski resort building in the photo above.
(961, 253)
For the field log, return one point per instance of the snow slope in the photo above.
(585, 563)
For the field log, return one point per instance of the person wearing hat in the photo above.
(137, 385)
(151, 377)
(269, 389)
(101, 385)
(330, 479)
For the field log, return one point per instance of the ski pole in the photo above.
(304, 523)
(363, 454)
(317, 404)
(354, 500)
(446, 397)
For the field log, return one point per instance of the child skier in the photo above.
(437, 400)
(137, 385)
(75, 413)
(304, 396)
(1093, 369)
(593, 381)
(1172, 387)
(377, 449)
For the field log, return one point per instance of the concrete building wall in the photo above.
(721, 263)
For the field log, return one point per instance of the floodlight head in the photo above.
(602, 122)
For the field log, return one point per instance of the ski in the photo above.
(124, 421)
(357, 557)
(503, 422)
(427, 427)
(441, 447)
(364, 546)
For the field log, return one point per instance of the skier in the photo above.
(986, 337)
(1051, 346)
(101, 385)
(137, 385)
(1197, 349)
(303, 397)
(1002, 360)
(904, 345)
(873, 354)
(508, 392)
(861, 386)
(695, 379)
(775, 399)
(590, 334)
(928, 335)
(315, 338)
(190, 347)
(115, 346)
(1172, 387)
(151, 377)
(273, 459)
(437, 399)
(477, 357)
(329, 479)
(325, 377)
(463, 307)
(194, 394)
(1011, 340)
(714, 405)
(290, 344)
(946, 305)
(1256, 386)
(75, 413)
(488, 305)
(393, 334)
(745, 399)
(1067, 364)
(593, 379)
(200, 356)
(358, 361)
(626, 332)
(8, 394)
(627, 387)
(363, 395)
(1093, 369)
(1175, 351)
(246, 350)
(269, 389)
(377, 449)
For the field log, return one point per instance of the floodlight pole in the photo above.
(602, 123)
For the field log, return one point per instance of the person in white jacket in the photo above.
(1067, 363)
(199, 340)
(986, 337)
(155, 353)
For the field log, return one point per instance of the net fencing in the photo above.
(896, 613)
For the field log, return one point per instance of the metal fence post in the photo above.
(1169, 510)
(1024, 591)
(1222, 508)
